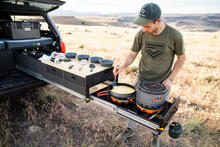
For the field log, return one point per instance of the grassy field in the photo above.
(198, 82)
(65, 120)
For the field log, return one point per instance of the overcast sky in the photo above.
(167, 6)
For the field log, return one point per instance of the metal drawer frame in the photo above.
(158, 127)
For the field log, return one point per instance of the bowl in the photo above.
(83, 57)
(70, 55)
(106, 62)
(95, 59)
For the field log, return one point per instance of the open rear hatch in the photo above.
(29, 6)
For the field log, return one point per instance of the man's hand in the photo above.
(117, 69)
(177, 66)
(167, 83)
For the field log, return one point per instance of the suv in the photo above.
(30, 16)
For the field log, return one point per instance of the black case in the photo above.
(20, 29)
(2, 44)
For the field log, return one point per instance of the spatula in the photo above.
(114, 83)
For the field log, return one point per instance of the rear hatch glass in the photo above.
(42, 5)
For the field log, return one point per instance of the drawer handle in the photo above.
(53, 69)
(73, 76)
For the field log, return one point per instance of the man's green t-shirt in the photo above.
(157, 53)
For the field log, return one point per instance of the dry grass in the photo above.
(68, 121)
(198, 83)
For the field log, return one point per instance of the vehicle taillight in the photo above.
(63, 48)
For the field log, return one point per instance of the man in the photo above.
(158, 43)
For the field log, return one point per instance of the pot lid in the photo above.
(152, 87)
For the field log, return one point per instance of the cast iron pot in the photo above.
(151, 94)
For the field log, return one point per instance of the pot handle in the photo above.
(102, 93)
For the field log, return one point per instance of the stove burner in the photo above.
(149, 110)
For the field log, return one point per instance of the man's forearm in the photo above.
(130, 58)
(177, 66)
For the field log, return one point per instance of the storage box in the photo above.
(28, 43)
(20, 29)
(2, 45)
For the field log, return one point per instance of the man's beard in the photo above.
(152, 32)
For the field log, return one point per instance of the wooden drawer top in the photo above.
(85, 70)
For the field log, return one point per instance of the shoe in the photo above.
(124, 135)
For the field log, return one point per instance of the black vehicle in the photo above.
(25, 25)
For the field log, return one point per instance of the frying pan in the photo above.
(119, 97)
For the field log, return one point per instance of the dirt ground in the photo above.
(49, 116)
(60, 119)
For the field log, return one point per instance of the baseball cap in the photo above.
(148, 13)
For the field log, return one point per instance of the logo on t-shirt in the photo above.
(154, 49)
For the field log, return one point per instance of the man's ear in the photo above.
(159, 20)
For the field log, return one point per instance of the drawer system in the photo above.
(79, 79)
(29, 62)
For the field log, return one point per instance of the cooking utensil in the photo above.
(57, 60)
(83, 57)
(154, 115)
(151, 96)
(82, 62)
(66, 60)
(91, 66)
(70, 55)
(106, 62)
(95, 59)
(115, 74)
(117, 96)
(70, 66)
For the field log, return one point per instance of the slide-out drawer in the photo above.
(31, 63)
(53, 74)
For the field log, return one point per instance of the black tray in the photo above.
(165, 116)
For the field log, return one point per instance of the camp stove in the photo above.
(155, 121)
